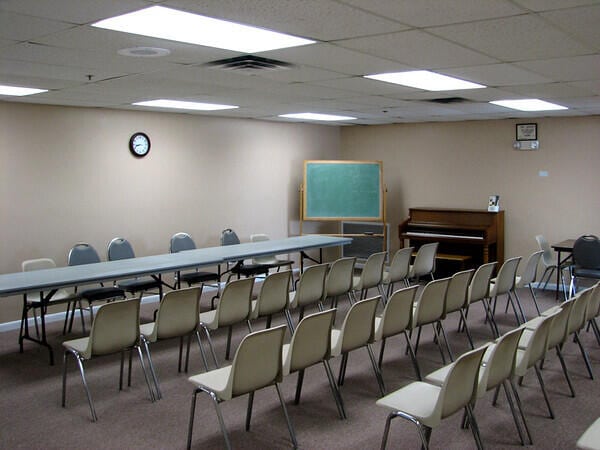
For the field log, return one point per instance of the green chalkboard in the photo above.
(343, 190)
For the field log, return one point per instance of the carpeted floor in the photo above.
(31, 416)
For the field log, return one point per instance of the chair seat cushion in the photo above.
(586, 273)
(198, 277)
(79, 345)
(209, 319)
(147, 330)
(60, 296)
(138, 284)
(102, 293)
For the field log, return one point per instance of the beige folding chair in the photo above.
(177, 316)
(533, 345)
(357, 331)
(479, 291)
(497, 367)
(256, 365)
(577, 320)
(115, 329)
(590, 439)
(593, 310)
(370, 277)
(339, 280)
(311, 344)
(232, 308)
(426, 404)
(395, 319)
(270, 260)
(550, 264)
(424, 263)
(504, 284)
(273, 299)
(398, 270)
(528, 277)
(310, 288)
(429, 309)
(457, 296)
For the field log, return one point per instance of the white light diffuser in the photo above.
(316, 116)
(529, 104)
(19, 91)
(426, 80)
(177, 104)
(167, 23)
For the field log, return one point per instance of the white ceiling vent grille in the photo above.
(249, 64)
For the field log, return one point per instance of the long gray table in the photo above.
(48, 281)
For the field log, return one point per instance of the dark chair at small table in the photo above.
(586, 260)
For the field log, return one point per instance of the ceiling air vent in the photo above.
(249, 64)
(449, 100)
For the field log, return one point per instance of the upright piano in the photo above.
(470, 232)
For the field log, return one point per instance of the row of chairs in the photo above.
(491, 366)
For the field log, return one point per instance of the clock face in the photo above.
(139, 144)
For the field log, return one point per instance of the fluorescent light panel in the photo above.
(177, 104)
(167, 23)
(424, 79)
(316, 116)
(19, 91)
(529, 104)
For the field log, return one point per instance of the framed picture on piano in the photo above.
(494, 203)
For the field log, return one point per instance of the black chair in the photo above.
(240, 268)
(84, 253)
(120, 248)
(586, 260)
(182, 242)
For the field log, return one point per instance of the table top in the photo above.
(564, 246)
(62, 277)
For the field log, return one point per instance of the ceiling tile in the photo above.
(496, 75)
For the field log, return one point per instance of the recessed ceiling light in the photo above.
(144, 52)
(316, 116)
(19, 91)
(424, 79)
(529, 104)
(177, 104)
(167, 23)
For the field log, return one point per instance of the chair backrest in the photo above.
(578, 313)
(178, 313)
(120, 248)
(530, 272)
(458, 288)
(229, 237)
(400, 265)
(547, 257)
(311, 341)
(479, 287)
(115, 327)
(257, 361)
(339, 277)
(559, 331)
(499, 361)
(311, 287)
(181, 242)
(537, 345)
(505, 281)
(397, 314)
(424, 262)
(274, 293)
(460, 387)
(593, 303)
(586, 252)
(234, 305)
(358, 328)
(82, 253)
(372, 272)
(430, 304)
(37, 264)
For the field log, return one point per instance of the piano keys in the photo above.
(469, 232)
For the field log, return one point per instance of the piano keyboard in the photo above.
(442, 235)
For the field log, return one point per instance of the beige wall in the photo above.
(66, 175)
(458, 165)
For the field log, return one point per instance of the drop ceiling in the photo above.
(546, 49)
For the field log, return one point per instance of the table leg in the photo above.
(558, 273)
(42, 340)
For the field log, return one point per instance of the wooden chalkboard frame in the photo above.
(368, 189)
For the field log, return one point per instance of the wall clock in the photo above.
(139, 144)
